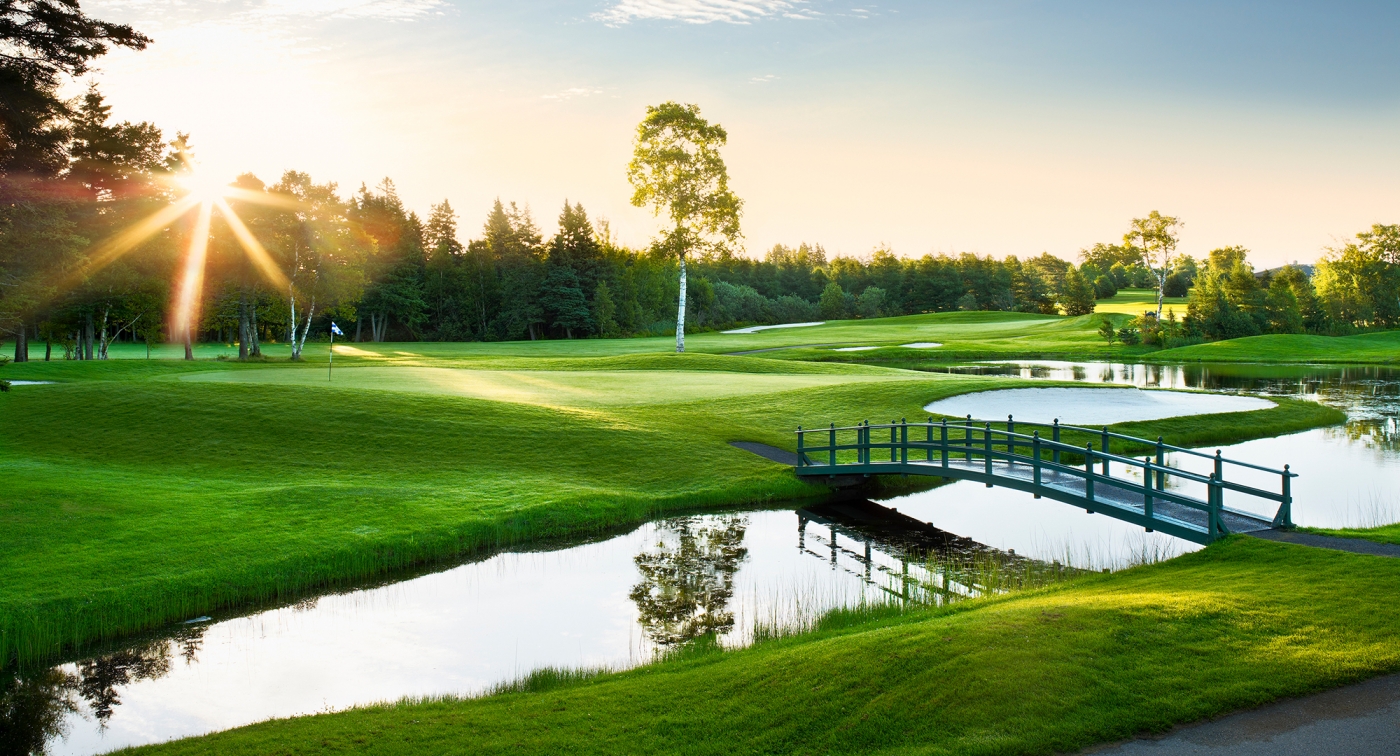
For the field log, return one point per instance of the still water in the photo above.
(613, 602)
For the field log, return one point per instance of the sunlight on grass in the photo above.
(564, 388)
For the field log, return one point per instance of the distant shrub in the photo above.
(1172, 342)
(1178, 285)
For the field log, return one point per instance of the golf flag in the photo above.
(335, 329)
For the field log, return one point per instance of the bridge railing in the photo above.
(860, 448)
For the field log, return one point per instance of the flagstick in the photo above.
(330, 358)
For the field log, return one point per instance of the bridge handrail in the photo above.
(979, 439)
(1101, 432)
(1045, 464)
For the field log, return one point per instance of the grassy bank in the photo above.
(1099, 659)
(143, 492)
(1383, 534)
(1382, 347)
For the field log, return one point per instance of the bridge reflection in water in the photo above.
(911, 560)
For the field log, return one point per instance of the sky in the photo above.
(993, 127)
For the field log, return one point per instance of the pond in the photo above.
(613, 601)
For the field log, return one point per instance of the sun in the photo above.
(202, 186)
(203, 193)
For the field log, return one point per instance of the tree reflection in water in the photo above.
(35, 706)
(34, 709)
(688, 578)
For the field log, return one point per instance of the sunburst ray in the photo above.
(256, 252)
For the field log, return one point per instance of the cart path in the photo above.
(1358, 720)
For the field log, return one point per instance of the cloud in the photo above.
(764, 79)
(701, 11)
(388, 10)
(572, 92)
(256, 10)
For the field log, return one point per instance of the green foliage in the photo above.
(1077, 296)
(1358, 284)
(605, 311)
(1107, 331)
(871, 302)
(1129, 336)
(1105, 288)
(833, 302)
(676, 169)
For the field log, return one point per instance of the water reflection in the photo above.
(910, 560)
(38, 706)
(34, 710)
(687, 578)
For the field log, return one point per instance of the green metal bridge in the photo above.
(1145, 492)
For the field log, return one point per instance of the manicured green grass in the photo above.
(1051, 671)
(961, 333)
(549, 388)
(1383, 534)
(1135, 302)
(1380, 347)
(173, 489)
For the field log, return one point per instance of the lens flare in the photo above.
(192, 280)
(206, 193)
(250, 244)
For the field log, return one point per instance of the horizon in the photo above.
(1005, 129)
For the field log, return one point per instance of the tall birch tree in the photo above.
(677, 171)
(1155, 238)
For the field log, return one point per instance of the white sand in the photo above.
(1091, 406)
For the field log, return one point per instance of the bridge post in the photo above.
(1089, 475)
(894, 441)
(987, 450)
(903, 441)
(1010, 440)
(1104, 447)
(1161, 461)
(943, 441)
(967, 439)
(1147, 485)
(1055, 436)
(929, 448)
(799, 446)
(1220, 474)
(1213, 509)
(833, 445)
(1284, 518)
(1035, 461)
(864, 451)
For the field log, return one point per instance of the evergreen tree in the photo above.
(1076, 297)
(605, 311)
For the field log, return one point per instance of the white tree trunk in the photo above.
(299, 343)
(1161, 284)
(102, 344)
(680, 312)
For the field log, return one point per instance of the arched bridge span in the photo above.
(1065, 466)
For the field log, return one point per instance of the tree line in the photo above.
(104, 239)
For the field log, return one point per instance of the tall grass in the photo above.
(1377, 511)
